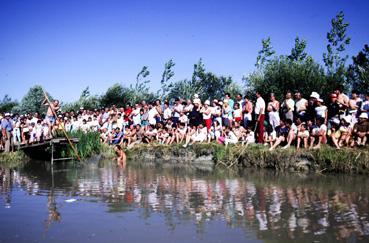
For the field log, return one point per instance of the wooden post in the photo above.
(52, 153)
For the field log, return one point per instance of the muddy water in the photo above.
(100, 202)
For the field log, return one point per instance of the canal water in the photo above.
(101, 202)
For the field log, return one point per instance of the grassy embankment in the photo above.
(13, 159)
(326, 159)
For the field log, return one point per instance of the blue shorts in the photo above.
(51, 119)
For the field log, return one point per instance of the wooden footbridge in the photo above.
(46, 150)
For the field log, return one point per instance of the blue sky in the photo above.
(68, 45)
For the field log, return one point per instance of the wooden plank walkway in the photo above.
(46, 148)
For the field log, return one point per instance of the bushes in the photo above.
(88, 145)
(13, 159)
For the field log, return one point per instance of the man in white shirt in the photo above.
(260, 115)
(301, 106)
(177, 109)
(152, 114)
(288, 107)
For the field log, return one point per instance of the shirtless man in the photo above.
(121, 156)
(52, 109)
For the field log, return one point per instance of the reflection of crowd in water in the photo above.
(291, 212)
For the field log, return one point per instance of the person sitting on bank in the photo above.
(282, 134)
(361, 130)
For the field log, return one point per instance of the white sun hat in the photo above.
(315, 95)
(364, 115)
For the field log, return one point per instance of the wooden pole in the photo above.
(63, 129)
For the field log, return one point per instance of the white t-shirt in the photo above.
(290, 104)
(177, 110)
(207, 116)
(167, 113)
(151, 115)
(301, 105)
(260, 104)
(237, 113)
(320, 111)
(136, 116)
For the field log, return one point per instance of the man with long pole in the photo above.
(51, 117)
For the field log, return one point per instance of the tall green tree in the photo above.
(335, 57)
(298, 52)
(265, 54)
(86, 100)
(32, 101)
(7, 104)
(281, 74)
(358, 71)
(184, 89)
(168, 73)
(114, 96)
(209, 85)
(198, 71)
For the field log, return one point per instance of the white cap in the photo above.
(315, 95)
(364, 115)
(7, 114)
(347, 119)
(207, 102)
(196, 96)
(320, 100)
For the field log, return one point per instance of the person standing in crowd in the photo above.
(288, 107)
(321, 110)
(301, 106)
(247, 111)
(273, 111)
(206, 114)
(260, 116)
(7, 128)
(365, 104)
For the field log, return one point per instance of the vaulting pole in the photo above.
(63, 129)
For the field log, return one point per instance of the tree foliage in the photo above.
(32, 101)
(298, 52)
(184, 89)
(7, 104)
(282, 74)
(168, 73)
(86, 100)
(358, 71)
(265, 54)
(335, 59)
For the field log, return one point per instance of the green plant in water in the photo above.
(88, 144)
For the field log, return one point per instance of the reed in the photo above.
(89, 144)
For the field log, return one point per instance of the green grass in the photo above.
(89, 144)
(13, 159)
(326, 159)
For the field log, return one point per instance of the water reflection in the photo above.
(276, 207)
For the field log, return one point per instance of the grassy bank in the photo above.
(324, 160)
(13, 159)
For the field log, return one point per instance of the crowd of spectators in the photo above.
(304, 122)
